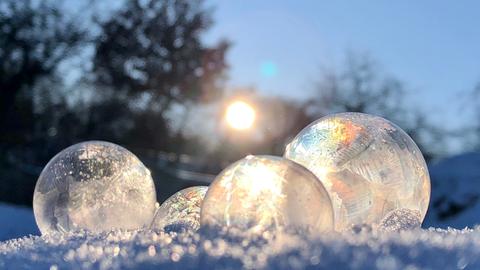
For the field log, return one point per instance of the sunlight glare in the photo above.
(240, 115)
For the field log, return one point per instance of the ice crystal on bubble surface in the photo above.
(181, 211)
(369, 166)
(96, 186)
(261, 192)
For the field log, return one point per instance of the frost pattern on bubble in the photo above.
(401, 219)
(265, 192)
(96, 186)
(369, 166)
(181, 211)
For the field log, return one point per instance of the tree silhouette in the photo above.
(148, 56)
(360, 87)
(471, 133)
(280, 121)
(151, 51)
(35, 37)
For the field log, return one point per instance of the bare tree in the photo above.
(152, 50)
(280, 120)
(360, 87)
(35, 37)
(471, 133)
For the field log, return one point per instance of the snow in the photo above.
(222, 249)
(455, 198)
(455, 194)
(232, 249)
(16, 221)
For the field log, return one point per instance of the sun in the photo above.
(240, 115)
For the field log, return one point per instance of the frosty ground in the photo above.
(455, 184)
(220, 249)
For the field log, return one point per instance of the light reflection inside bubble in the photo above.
(265, 192)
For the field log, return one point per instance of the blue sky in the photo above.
(279, 46)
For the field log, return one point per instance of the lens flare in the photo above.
(240, 115)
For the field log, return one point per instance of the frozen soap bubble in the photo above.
(401, 219)
(95, 186)
(181, 211)
(369, 166)
(266, 192)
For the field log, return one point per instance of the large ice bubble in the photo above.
(181, 211)
(265, 192)
(369, 166)
(96, 186)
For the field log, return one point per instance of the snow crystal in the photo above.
(232, 248)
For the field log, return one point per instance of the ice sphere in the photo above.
(368, 165)
(181, 211)
(95, 186)
(266, 192)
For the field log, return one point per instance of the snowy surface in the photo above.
(220, 249)
(416, 249)
(455, 198)
(455, 202)
(16, 221)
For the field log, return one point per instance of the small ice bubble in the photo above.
(152, 251)
(180, 212)
(401, 219)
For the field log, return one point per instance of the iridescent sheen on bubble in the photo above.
(181, 211)
(266, 192)
(97, 186)
(369, 166)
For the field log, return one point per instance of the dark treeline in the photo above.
(147, 57)
(141, 62)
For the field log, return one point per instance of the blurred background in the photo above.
(191, 86)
